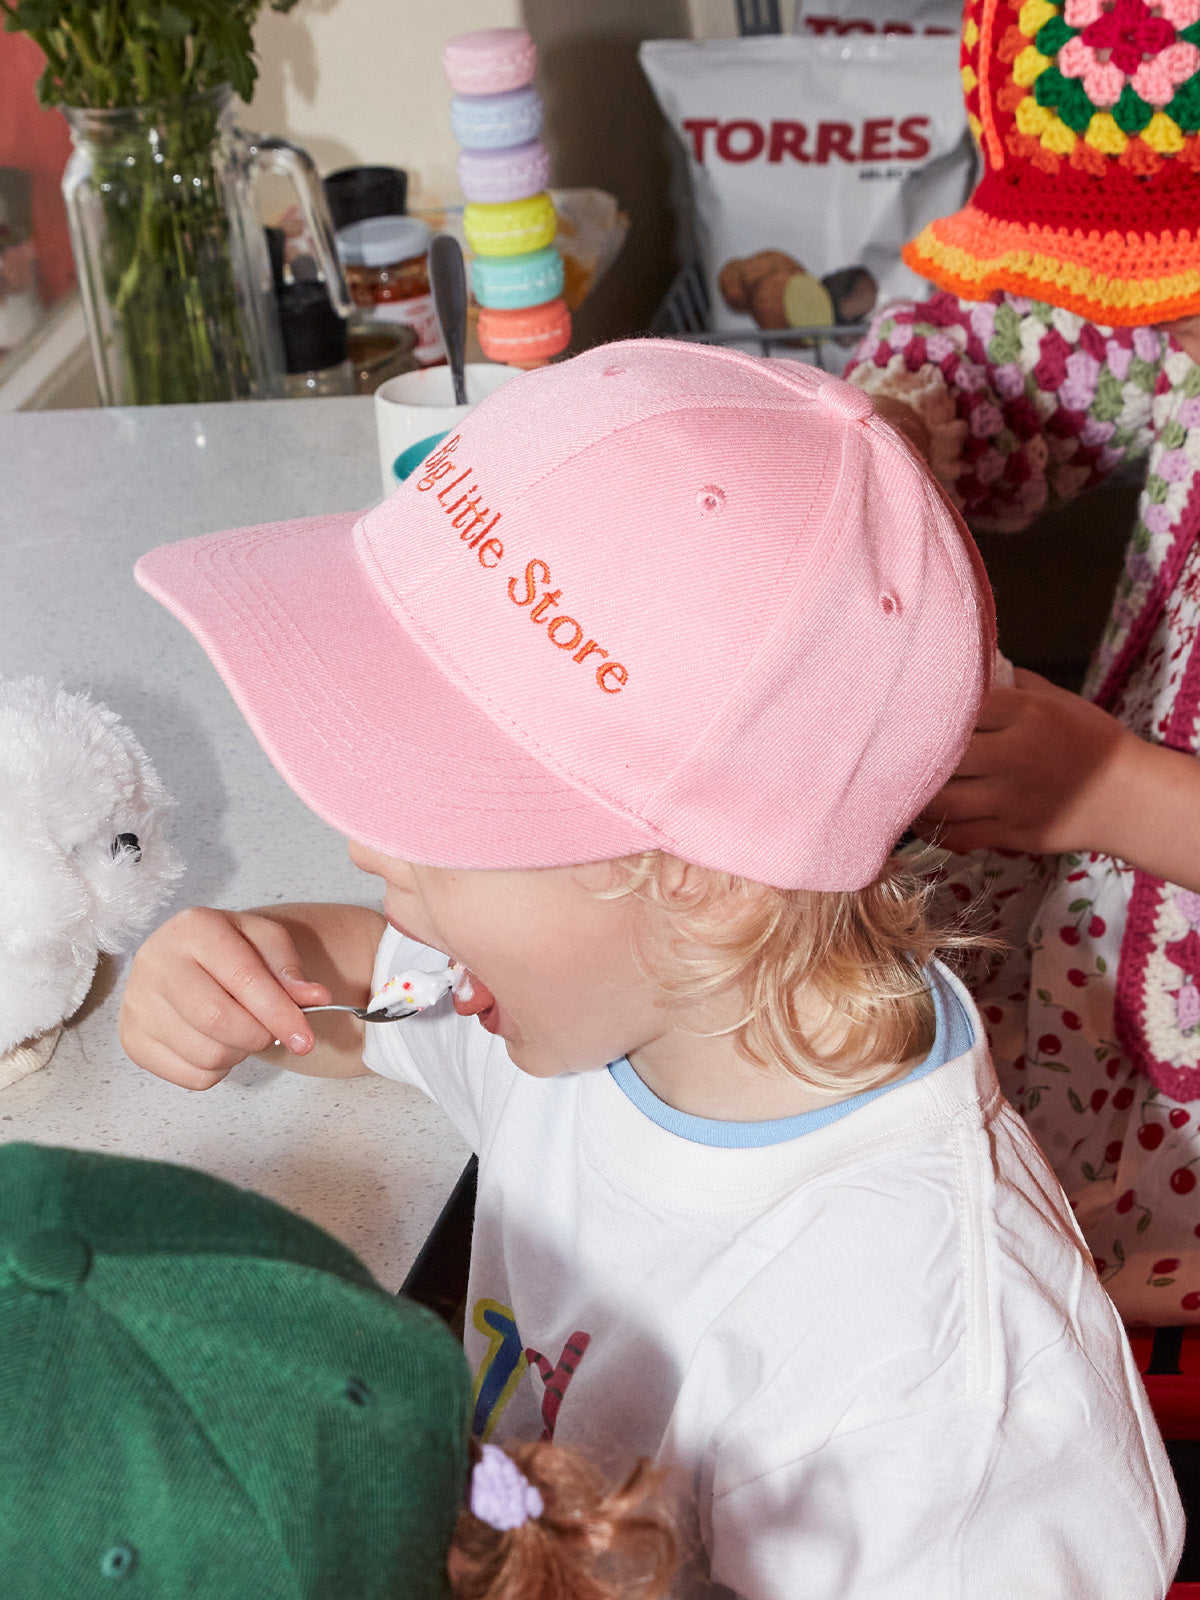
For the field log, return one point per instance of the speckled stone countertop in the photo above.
(82, 495)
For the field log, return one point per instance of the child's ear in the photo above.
(682, 883)
(677, 880)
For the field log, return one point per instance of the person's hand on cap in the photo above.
(209, 988)
(1042, 773)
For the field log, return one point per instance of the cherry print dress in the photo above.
(1094, 1017)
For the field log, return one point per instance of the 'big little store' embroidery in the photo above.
(476, 524)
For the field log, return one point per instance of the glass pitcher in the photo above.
(173, 265)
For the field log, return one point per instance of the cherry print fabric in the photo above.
(1126, 1154)
(1094, 1019)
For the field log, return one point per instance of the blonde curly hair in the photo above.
(856, 957)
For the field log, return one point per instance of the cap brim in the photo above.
(356, 716)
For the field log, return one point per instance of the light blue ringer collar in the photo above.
(954, 1034)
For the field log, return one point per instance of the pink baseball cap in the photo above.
(659, 596)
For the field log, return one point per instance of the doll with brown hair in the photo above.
(542, 1523)
(207, 1392)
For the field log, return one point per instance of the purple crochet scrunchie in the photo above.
(501, 1494)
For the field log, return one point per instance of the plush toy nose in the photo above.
(127, 844)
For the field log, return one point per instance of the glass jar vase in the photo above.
(174, 270)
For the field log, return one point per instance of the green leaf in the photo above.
(1110, 401)
(1077, 906)
(1131, 113)
(1076, 1102)
(1044, 996)
(1065, 95)
(1171, 435)
(1033, 1099)
(174, 23)
(1005, 343)
(1143, 1222)
(1053, 1066)
(1118, 1251)
(1051, 37)
(1184, 108)
(1088, 1171)
(1101, 965)
(1161, 1283)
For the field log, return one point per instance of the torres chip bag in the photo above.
(812, 160)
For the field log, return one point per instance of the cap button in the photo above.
(849, 402)
(53, 1259)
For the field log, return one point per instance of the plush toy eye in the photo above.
(127, 844)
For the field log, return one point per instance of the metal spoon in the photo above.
(448, 280)
(365, 1014)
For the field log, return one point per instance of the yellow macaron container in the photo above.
(510, 227)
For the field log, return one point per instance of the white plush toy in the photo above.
(83, 858)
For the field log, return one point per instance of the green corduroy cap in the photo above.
(203, 1395)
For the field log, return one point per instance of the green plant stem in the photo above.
(87, 55)
(141, 71)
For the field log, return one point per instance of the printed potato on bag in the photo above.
(812, 161)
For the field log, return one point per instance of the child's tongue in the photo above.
(470, 996)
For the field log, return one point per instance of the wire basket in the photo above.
(686, 314)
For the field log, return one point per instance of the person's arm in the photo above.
(1049, 771)
(209, 988)
(1021, 405)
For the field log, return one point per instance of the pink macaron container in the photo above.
(490, 61)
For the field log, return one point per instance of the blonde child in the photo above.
(626, 696)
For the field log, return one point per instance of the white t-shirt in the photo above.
(873, 1352)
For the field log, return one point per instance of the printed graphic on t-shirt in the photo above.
(506, 1362)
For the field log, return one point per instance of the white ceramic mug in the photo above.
(416, 410)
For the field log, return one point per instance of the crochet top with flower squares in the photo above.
(1094, 1015)
(1026, 404)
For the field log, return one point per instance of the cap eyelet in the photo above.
(358, 1393)
(890, 605)
(119, 1561)
(710, 498)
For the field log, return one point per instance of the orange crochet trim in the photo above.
(1119, 280)
(993, 147)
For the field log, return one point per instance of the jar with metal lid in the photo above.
(387, 270)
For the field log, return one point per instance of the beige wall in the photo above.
(361, 81)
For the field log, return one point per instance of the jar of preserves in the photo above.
(387, 270)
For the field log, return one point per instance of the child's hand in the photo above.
(906, 420)
(209, 988)
(1044, 771)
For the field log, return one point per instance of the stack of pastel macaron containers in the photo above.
(509, 220)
